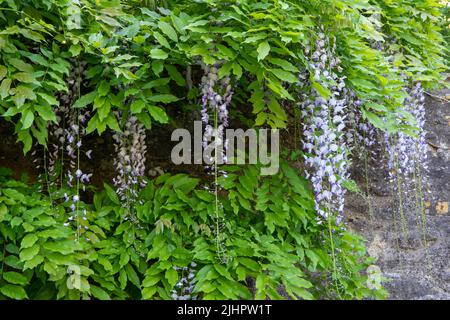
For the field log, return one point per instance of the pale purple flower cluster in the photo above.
(365, 136)
(67, 132)
(416, 107)
(216, 97)
(324, 121)
(130, 148)
(66, 146)
(366, 133)
(407, 155)
(72, 138)
(184, 288)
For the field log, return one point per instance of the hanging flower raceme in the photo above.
(324, 132)
(216, 97)
(185, 286)
(416, 107)
(66, 133)
(407, 157)
(76, 178)
(130, 148)
(65, 151)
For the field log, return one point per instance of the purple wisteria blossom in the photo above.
(130, 148)
(324, 121)
(407, 156)
(66, 147)
(216, 97)
(185, 285)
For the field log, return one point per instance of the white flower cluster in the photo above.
(66, 146)
(185, 285)
(216, 97)
(130, 148)
(324, 122)
(66, 133)
(407, 155)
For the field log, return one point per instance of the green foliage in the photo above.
(145, 61)
(136, 57)
(118, 259)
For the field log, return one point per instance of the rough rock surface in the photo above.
(415, 270)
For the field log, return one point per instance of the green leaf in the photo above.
(37, 58)
(15, 278)
(171, 276)
(21, 93)
(263, 50)
(25, 137)
(29, 253)
(284, 75)
(12, 248)
(324, 92)
(32, 35)
(161, 39)
(122, 278)
(25, 77)
(46, 113)
(149, 292)
(103, 89)
(226, 52)
(28, 240)
(4, 88)
(3, 72)
(237, 70)
(225, 69)
(112, 195)
(250, 264)
(13, 292)
(75, 50)
(50, 100)
(156, 83)
(157, 66)
(158, 114)
(3, 211)
(105, 263)
(137, 106)
(158, 54)
(168, 30)
(20, 65)
(27, 119)
(145, 119)
(286, 65)
(63, 247)
(376, 106)
(111, 121)
(99, 293)
(164, 98)
(261, 118)
(132, 275)
(275, 107)
(85, 100)
(175, 75)
(374, 119)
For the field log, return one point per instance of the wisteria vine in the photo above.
(324, 123)
(130, 148)
(216, 97)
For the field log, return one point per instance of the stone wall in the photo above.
(416, 270)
